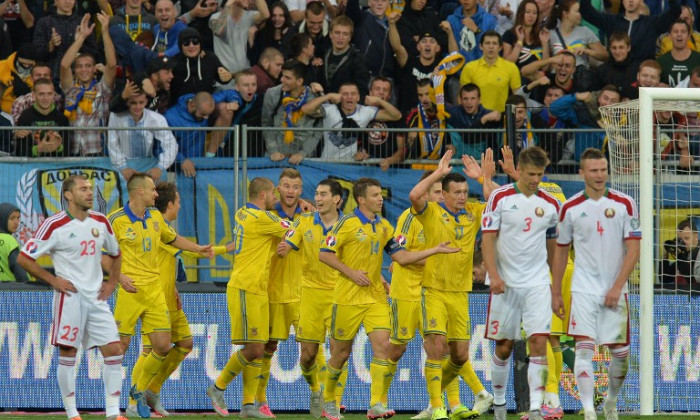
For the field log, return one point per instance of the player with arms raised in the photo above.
(519, 228)
(74, 239)
(603, 224)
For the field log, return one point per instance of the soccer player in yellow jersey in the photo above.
(257, 234)
(307, 235)
(551, 408)
(283, 290)
(354, 249)
(140, 230)
(168, 203)
(448, 278)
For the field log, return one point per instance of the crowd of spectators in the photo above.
(336, 64)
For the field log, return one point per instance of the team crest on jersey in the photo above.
(539, 211)
(285, 224)
(432, 323)
(156, 226)
(469, 216)
(361, 235)
(289, 233)
(95, 232)
(130, 234)
(401, 240)
(421, 237)
(340, 332)
(487, 221)
(330, 240)
(634, 223)
(609, 213)
(32, 247)
(445, 217)
(404, 331)
(309, 236)
(254, 331)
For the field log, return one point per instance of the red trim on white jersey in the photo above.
(26, 255)
(52, 223)
(498, 194)
(623, 199)
(101, 218)
(57, 320)
(571, 203)
(549, 198)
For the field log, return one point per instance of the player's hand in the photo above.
(188, 168)
(558, 305)
(445, 26)
(360, 278)
(488, 166)
(498, 286)
(127, 284)
(106, 290)
(103, 18)
(445, 248)
(207, 251)
(507, 163)
(178, 301)
(231, 246)
(471, 167)
(444, 166)
(283, 249)
(64, 286)
(612, 298)
(387, 286)
(305, 206)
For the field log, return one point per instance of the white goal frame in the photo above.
(647, 96)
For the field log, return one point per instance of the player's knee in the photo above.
(308, 356)
(271, 347)
(538, 345)
(252, 351)
(66, 351)
(112, 349)
(460, 358)
(434, 347)
(185, 345)
(396, 351)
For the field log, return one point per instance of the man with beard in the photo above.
(283, 107)
(379, 144)
(191, 111)
(124, 145)
(47, 141)
(195, 70)
(155, 83)
(268, 69)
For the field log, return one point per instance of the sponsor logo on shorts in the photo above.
(404, 331)
(340, 332)
(609, 213)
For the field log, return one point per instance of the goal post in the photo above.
(631, 129)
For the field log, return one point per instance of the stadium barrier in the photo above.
(27, 361)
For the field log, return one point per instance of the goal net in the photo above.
(654, 152)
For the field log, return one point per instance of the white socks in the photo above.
(499, 379)
(617, 371)
(537, 378)
(112, 378)
(583, 371)
(66, 383)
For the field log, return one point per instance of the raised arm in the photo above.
(110, 70)
(313, 105)
(81, 34)
(387, 111)
(263, 12)
(404, 257)
(417, 194)
(395, 40)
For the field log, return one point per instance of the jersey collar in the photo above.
(455, 215)
(318, 221)
(134, 218)
(252, 206)
(282, 213)
(605, 194)
(364, 219)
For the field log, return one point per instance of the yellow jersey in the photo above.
(256, 236)
(450, 272)
(167, 261)
(307, 235)
(358, 243)
(406, 281)
(285, 273)
(140, 241)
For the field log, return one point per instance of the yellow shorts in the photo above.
(346, 319)
(405, 319)
(446, 313)
(147, 304)
(179, 328)
(559, 326)
(249, 315)
(283, 316)
(315, 314)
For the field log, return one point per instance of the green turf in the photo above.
(4, 416)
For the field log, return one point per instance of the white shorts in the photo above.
(532, 306)
(81, 320)
(591, 318)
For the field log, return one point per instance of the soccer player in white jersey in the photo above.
(74, 238)
(604, 226)
(519, 231)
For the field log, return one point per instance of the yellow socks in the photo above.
(233, 367)
(433, 379)
(264, 377)
(172, 360)
(467, 373)
(149, 369)
(340, 385)
(251, 376)
(332, 376)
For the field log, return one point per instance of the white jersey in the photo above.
(523, 225)
(75, 247)
(598, 230)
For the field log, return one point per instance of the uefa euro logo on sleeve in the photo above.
(486, 221)
(330, 241)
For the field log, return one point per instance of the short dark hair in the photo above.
(258, 185)
(470, 87)
(349, 83)
(167, 193)
(688, 223)
(533, 156)
(611, 88)
(452, 177)
(40, 64)
(136, 181)
(591, 154)
(381, 79)
(298, 42)
(361, 185)
(291, 173)
(516, 100)
(334, 185)
(424, 82)
(490, 33)
(42, 81)
(681, 22)
(620, 36)
(567, 53)
(316, 8)
(297, 68)
(70, 182)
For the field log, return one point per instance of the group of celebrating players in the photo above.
(320, 271)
